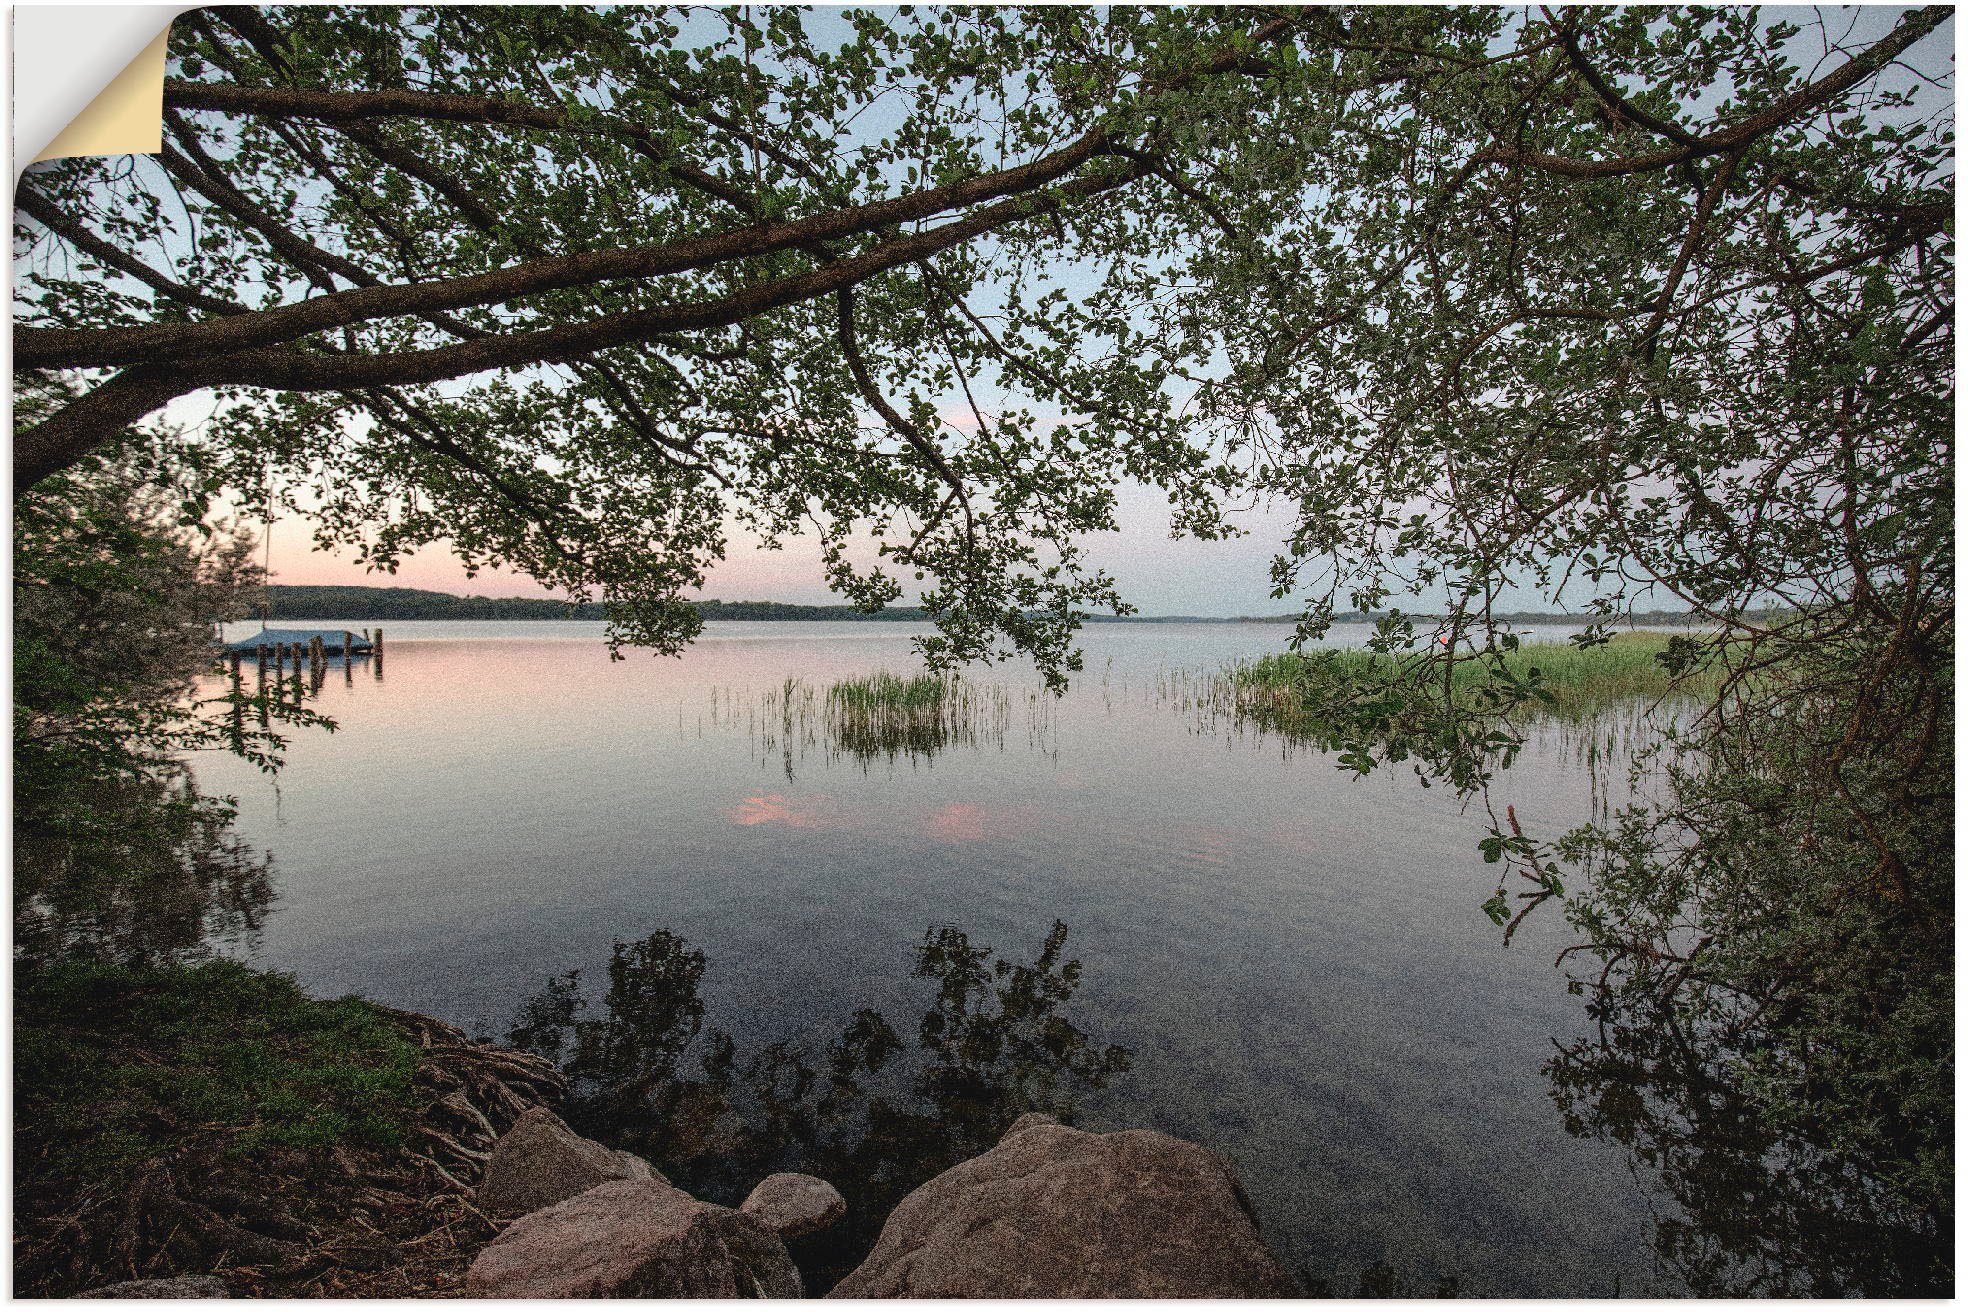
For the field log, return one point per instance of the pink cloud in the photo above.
(1209, 844)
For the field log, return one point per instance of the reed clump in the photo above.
(883, 693)
(1537, 680)
(891, 715)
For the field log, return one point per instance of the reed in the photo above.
(1574, 682)
(889, 715)
(891, 694)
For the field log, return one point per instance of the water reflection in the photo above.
(1293, 956)
(1760, 1215)
(884, 719)
(874, 1109)
(137, 869)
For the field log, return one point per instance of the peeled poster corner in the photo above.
(88, 80)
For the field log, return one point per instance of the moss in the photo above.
(116, 1066)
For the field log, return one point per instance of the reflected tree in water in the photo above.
(139, 870)
(870, 1110)
(1761, 1213)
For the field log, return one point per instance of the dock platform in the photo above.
(334, 642)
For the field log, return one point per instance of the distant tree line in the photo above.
(355, 602)
(316, 602)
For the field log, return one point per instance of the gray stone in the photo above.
(540, 1162)
(164, 1287)
(792, 1205)
(634, 1239)
(1054, 1212)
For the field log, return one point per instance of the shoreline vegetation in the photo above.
(291, 601)
(211, 1119)
(1291, 690)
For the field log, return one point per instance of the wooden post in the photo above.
(263, 655)
(377, 642)
(316, 652)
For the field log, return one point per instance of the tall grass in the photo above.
(884, 716)
(888, 715)
(1564, 681)
(891, 694)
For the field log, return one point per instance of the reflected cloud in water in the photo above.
(792, 812)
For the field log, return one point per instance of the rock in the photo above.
(166, 1287)
(540, 1162)
(793, 1205)
(1054, 1212)
(634, 1239)
(1026, 1122)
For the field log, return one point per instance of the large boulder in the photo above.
(792, 1205)
(540, 1162)
(164, 1287)
(1054, 1212)
(634, 1239)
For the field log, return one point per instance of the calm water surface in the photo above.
(1295, 958)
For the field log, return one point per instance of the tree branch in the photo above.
(1802, 101)
(44, 212)
(86, 348)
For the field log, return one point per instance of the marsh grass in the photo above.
(885, 694)
(886, 717)
(1558, 680)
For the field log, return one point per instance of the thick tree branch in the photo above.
(68, 435)
(87, 348)
(302, 370)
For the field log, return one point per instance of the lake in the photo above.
(1294, 959)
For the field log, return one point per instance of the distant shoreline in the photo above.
(289, 602)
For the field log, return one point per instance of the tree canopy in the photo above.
(577, 288)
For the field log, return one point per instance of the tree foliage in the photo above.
(117, 853)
